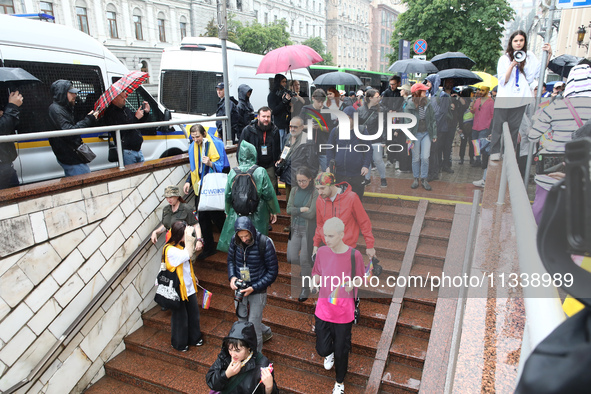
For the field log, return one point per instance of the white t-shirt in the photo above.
(519, 96)
(177, 257)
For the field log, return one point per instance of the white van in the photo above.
(190, 72)
(50, 52)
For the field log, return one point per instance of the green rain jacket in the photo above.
(268, 203)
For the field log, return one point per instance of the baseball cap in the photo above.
(404, 87)
(72, 89)
(417, 87)
(360, 93)
(558, 84)
(220, 85)
(172, 191)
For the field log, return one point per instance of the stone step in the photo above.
(395, 373)
(109, 385)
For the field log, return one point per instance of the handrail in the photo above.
(543, 309)
(79, 322)
(98, 129)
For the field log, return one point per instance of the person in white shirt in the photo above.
(516, 69)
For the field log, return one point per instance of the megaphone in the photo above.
(519, 56)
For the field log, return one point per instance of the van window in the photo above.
(34, 114)
(190, 91)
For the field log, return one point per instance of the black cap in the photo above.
(220, 85)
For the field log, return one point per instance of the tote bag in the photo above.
(213, 188)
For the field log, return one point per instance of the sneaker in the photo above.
(384, 182)
(329, 362)
(495, 157)
(397, 165)
(415, 184)
(339, 388)
(206, 253)
(479, 183)
(388, 164)
(199, 342)
(366, 182)
(304, 294)
(181, 350)
(426, 185)
(267, 336)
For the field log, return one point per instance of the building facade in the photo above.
(348, 32)
(383, 18)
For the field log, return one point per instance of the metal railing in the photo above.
(100, 129)
(543, 308)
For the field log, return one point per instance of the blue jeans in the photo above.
(420, 155)
(75, 169)
(323, 162)
(131, 156)
(378, 160)
(252, 306)
(282, 138)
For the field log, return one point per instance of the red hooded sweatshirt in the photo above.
(347, 207)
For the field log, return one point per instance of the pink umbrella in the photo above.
(288, 58)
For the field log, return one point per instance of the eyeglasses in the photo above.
(301, 182)
(294, 127)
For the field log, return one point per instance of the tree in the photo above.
(316, 44)
(211, 30)
(474, 27)
(257, 38)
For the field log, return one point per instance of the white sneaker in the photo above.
(339, 388)
(479, 183)
(329, 362)
(495, 157)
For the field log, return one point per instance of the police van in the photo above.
(50, 52)
(190, 72)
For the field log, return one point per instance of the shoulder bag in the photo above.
(168, 287)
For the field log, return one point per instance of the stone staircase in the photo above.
(150, 364)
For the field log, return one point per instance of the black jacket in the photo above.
(250, 374)
(132, 139)
(61, 117)
(8, 122)
(392, 100)
(221, 111)
(253, 134)
(263, 269)
(326, 122)
(370, 117)
(244, 109)
(281, 110)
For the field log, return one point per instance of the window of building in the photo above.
(161, 30)
(183, 27)
(144, 68)
(46, 8)
(6, 7)
(82, 18)
(239, 5)
(137, 25)
(112, 24)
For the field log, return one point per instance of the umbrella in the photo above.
(338, 78)
(449, 60)
(16, 76)
(128, 84)
(461, 76)
(562, 64)
(288, 58)
(413, 66)
(487, 80)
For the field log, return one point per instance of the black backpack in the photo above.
(245, 198)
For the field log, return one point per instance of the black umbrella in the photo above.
(16, 75)
(449, 60)
(408, 66)
(338, 78)
(461, 76)
(562, 64)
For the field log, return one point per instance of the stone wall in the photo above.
(58, 251)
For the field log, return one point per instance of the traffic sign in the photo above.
(562, 4)
(420, 46)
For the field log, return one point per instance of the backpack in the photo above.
(245, 198)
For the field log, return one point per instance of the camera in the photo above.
(377, 268)
(283, 92)
(519, 56)
(241, 285)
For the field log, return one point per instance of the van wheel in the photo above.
(171, 152)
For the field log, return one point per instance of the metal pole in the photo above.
(119, 149)
(549, 22)
(503, 185)
(223, 35)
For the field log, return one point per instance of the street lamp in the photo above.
(581, 36)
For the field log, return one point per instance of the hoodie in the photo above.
(8, 122)
(347, 207)
(268, 203)
(280, 109)
(250, 374)
(244, 107)
(441, 103)
(61, 117)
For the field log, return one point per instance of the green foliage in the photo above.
(258, 38)
(474, 27)
(211, 30)
(316, 44)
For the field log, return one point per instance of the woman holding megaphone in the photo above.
(516, 69)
